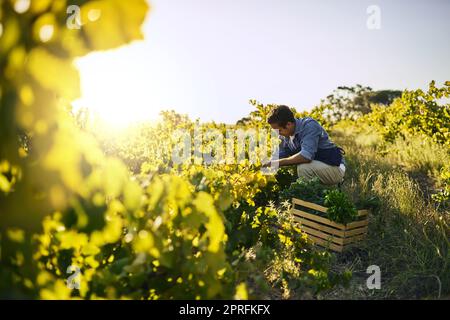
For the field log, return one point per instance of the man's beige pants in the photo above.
(326, 173)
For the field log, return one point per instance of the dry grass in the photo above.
(408, 236)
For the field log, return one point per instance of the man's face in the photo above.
(285, 131)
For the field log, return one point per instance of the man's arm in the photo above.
(309, 147)
(295, 159)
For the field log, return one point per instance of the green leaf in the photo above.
(119, 22)
(54, 73)
(132, 196)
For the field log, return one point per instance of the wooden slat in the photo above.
(350, 236)
(354, 239)
(319, 226)
(322, 235)
(356, 231)
(362, 213)
(316, 218)
(309, 205)
(327, 233)
(357, 224)
(326, 244)
(334, 246)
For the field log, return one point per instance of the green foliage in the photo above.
(308, 190)
(137, 225)
(340, 208)
(416, 112)
(443, 195)
(285, 176)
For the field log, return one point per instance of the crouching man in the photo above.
(305, 143)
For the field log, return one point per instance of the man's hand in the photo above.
(272, 163)
(292, 160)
(267, 164)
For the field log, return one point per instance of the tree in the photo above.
(353, 102)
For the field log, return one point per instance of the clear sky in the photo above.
(207, 58)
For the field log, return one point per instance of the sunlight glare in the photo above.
(120, 87)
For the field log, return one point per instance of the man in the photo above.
(305, 143)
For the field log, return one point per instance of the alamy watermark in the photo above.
(74, 280)
(374, 280)
(206, 146)
(74, 16)
(374, 19)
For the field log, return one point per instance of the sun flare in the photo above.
(115, 88)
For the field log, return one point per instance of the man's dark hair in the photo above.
(281, 115)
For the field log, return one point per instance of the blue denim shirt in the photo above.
(308, 137)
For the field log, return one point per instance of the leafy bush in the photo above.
(309, 190)
(416, 112)
(340, 207)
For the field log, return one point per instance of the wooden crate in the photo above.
(326, 233)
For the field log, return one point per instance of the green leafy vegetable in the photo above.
(340, 208)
